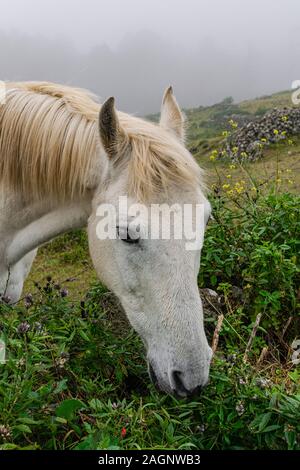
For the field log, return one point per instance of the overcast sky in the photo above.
(133, 49)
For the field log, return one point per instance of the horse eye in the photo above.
(124, 235)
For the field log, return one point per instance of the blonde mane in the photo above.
(49, 145)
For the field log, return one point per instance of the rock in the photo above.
(211, 302)
(237, 294)
(251, 139)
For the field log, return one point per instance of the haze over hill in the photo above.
(133, 49)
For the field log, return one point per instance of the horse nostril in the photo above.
(178, 384)
(179, 387)
(196, 391)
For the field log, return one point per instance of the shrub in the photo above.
(255, 246)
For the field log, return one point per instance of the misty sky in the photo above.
(133, 49)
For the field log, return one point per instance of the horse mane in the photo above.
(49, 145)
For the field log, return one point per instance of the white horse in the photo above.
(61, 156)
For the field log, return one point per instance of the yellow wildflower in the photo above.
(276, 131)
(233, 124)
(213, 155)
(239, 189)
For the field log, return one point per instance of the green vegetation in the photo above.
(73, 381)
(75, 375)
(261, 239)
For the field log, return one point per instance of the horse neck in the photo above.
(17, 216)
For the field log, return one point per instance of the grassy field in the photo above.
(75, 376)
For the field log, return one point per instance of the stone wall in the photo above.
(249, 141)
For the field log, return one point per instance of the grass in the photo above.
(265, 103)
(75, 375)
(66, 259)
(71, 382)
(280, 162)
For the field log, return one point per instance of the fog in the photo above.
(133, 49)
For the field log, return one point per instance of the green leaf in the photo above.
(290, 437)
(84, 336)
(58, 419)
(158, 417)
(68, 408)
(264, 421)
(273, 427)
(89, 443)
(23, 428)
(8, 446)
(61, 386)
(27, 420)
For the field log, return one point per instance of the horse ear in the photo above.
(110, 131)
(171, 117)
